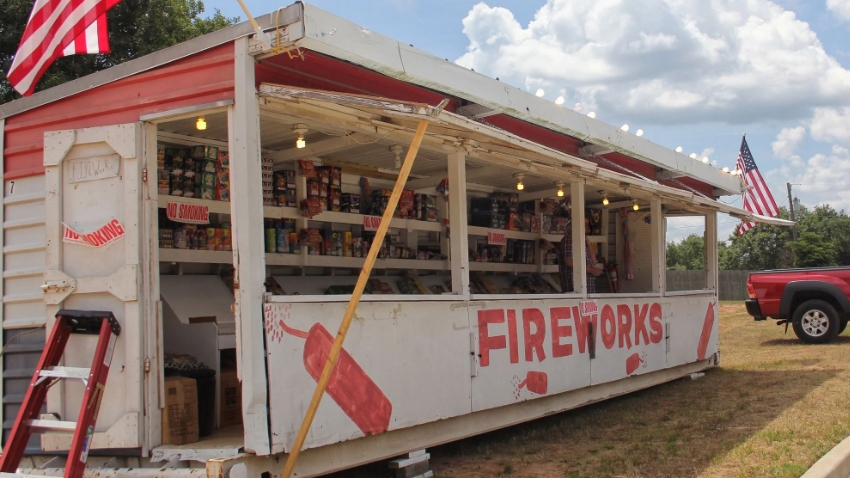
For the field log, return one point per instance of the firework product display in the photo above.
(201, 172)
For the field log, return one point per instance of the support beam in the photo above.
(711, 253)
(458, 239)
(662, 175)
(658, 247)
(318, 148)
(432, 181)
(579, 246)
(246, 205)
(593, 150)
(475, 111)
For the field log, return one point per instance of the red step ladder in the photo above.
(48, 372)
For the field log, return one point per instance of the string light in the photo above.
(201, 124)
(679, 149)
(604, 198)
(560, 189)
(540, 93)
(577, 107)
(300, 129)
(636, 206)
(639, 133)
(693, 156)
(559, 101)
(519, 177)
(705, 159)
(625, 127)
(591, 115)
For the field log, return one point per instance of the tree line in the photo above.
(136, 28)
(823, 239)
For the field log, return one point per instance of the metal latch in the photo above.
(55, 286)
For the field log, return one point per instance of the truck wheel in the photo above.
(816, 322)
(842, 327)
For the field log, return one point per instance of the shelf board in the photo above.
(195, 256)
(308, 260)
(396, 223)
(216, 207)
(501, 267)
(482, 231)
(550, 269)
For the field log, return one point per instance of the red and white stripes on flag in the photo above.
(53, 26)
(94, 40)
(757, 197)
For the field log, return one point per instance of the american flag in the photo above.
(57, 28)
(757, 197)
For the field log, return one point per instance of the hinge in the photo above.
(145, 175)
(147, 364)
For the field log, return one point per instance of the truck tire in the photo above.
(843, 326)
(816, 322)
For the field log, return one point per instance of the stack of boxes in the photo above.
(201, 172)
(284, 188)
(499, 211)
(268, 183)
(422, 207)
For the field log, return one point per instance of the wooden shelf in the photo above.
(283, 212)
(501, 267)
(308, 260)
(195, 256)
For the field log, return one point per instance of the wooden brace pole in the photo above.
(355, 299)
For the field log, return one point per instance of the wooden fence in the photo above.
(732, 284)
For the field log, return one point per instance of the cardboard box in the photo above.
(180, 416)
(231, 399)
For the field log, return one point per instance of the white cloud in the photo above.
(787, 141)
(664, 60)
(841, 8)
(821, 179)
(832, 125)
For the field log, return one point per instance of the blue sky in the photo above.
(695, 75)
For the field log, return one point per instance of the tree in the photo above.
(689, 254)
(832, 225)
(813, 250)
(136, 28)
(763, 247)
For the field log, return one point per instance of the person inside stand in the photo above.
(565, 261)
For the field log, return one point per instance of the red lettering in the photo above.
(533, 340)
(100, 236)
(513, 349)
(486, 343)
(640, 324)
(656, 329)
(556, 314)
(582, 329)
(609, 327)
(108, 232)
(117, 225)
(624, 326)
(91, 239)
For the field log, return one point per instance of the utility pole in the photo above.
(791, 209)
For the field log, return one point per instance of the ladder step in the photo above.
(59, 426)
(66, 372)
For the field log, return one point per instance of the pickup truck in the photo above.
(816, 302)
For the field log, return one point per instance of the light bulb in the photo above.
(201, 124)
(519, 177)
(559, 101)
(679, 149)
(605, 200)
(725, 169)
(560, 189)
(560, 193)
(693, 155)
(714, 163)
(705, 159)
(625, 127)
(300, 143)
(591, 115)
(636, 206)
(300, 129)
(539, 93)
(577, 107)
(639, 133)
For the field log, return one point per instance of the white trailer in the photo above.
(453, 361)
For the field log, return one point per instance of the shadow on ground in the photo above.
(791, 339)
(676, 429)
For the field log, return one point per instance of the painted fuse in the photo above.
(706, 332)
(536, 382)
(355, 393)
(634, 362)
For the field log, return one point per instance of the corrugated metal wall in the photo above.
(203, 78)
(23, 304)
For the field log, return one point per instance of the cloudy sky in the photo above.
(690, 73)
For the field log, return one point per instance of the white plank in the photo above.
(459, 240)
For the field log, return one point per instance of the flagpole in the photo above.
(261, 35)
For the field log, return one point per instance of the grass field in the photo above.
(772, 408)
